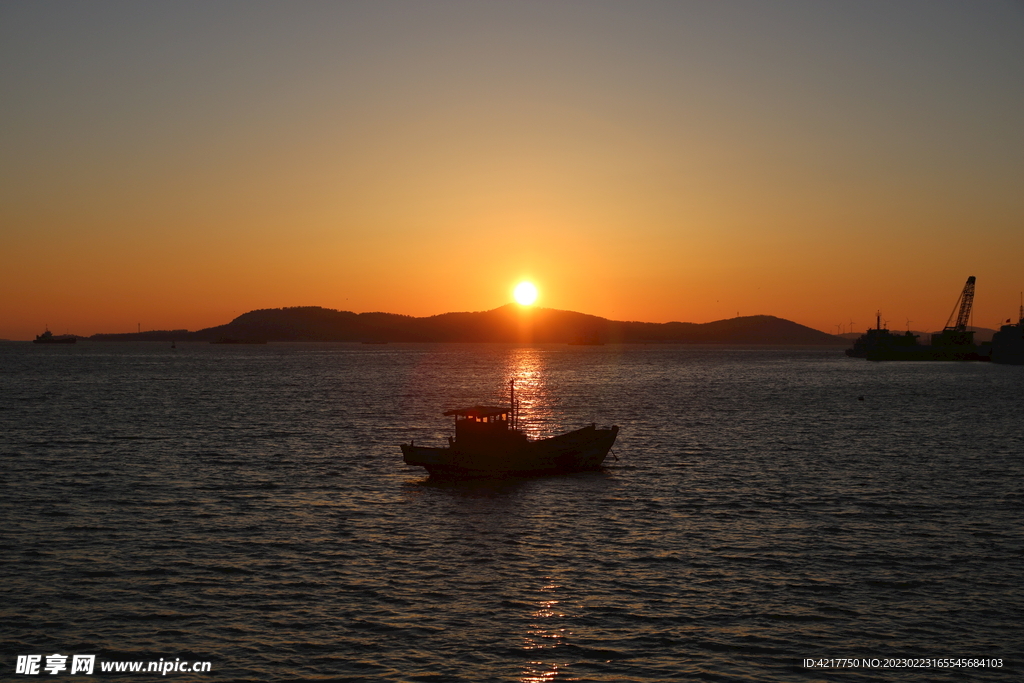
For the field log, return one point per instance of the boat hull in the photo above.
(56, 340)
(577, 451)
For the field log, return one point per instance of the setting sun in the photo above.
(525, 293)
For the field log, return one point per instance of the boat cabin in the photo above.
(483, 427)
(480, 420)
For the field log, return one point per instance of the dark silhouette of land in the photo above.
(510, 323)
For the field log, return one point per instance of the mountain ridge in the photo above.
(509, 323)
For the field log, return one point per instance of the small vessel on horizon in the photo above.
(488, 442)
(234, 340)
(587, 340)
(48, 337)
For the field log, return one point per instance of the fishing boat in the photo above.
(48, 337)
(489, 443)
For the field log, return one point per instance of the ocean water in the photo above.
(247, 506)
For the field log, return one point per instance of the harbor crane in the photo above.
(965, 302)
(955, 333)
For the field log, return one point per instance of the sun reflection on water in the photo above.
(539, 672)
(527, 367)
(543, 636)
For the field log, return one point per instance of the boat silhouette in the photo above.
(489, 442)
(48, 337)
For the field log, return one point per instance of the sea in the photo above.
(242, 513)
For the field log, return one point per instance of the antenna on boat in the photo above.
(514, 402)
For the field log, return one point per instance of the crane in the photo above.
(965, 302)
(955, 337)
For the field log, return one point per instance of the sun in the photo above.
(525, 293)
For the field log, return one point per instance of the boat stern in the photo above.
(423, 456)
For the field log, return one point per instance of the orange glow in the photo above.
(679, 178)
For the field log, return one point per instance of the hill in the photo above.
(510, 323)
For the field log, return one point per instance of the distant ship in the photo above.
(1008, 342)
(593, 339)
(488, 442)
(954, 342)
(879, 342)
(48, 337)
(233, 340)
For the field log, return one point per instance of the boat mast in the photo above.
(512, 401)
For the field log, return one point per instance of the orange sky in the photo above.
(175, 165)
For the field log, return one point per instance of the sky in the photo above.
(169, 165)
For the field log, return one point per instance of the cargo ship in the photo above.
(881, 342)
(48, 337)
(954, 342)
